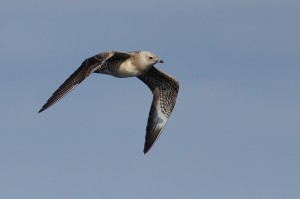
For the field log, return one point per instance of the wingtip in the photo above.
(145, 151)
(41, 110)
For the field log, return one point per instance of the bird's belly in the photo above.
(127, 70)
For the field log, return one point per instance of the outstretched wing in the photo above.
(165, 89)
(87, 67)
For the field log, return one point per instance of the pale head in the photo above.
(148, 58)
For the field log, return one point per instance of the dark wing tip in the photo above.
(145, 150)
(41, 110)
(147, 147)
(45, 106)
(152, 136)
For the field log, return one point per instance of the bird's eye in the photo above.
(150, 57)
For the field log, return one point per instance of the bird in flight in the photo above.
(138, 64)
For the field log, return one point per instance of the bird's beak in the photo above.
(161, 61)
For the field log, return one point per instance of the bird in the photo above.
(138, 64)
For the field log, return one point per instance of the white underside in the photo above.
(127, 69)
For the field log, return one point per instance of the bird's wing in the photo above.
(87, 67)
(165, 89)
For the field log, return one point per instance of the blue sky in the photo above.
(234, 132)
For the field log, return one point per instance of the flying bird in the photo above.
(138, 64)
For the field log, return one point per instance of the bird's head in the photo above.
(149, 59)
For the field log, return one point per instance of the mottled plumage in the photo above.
(131, 64)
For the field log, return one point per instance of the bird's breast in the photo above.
(127, 69)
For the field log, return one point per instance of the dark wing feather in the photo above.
(165, 89)
(87, 67)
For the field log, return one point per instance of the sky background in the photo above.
(235, 130)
